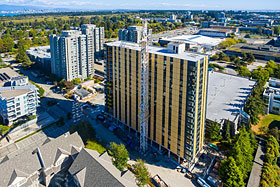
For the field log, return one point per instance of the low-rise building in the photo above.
(41, 56)
(220, 33)
(227, 95)
(271, 96)
(262, 52)
(193, 42)
(258, 22)
(234, 30)
(208, 24)
(265, 31)
(18, 97)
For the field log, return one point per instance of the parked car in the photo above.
(112, 128)
(202, 182)
(100, 117)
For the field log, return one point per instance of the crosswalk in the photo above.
(77, 113)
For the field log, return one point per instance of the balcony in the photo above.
(9, 104)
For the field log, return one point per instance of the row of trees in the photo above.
(39, 30)
(245, 57)
(229, 42)
(255, 105)
(234, 170)
(270, 171)
(120, 157)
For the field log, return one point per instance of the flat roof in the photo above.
(267, 50)
(9, 72)
(13, 93)
(198, 39)
(227, 94)
(41, 51)
(191, 56)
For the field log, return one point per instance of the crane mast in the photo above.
(144, 106)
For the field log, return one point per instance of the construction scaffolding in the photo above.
(144, 106)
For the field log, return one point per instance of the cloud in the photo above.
(55, 3)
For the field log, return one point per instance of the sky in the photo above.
(152, 4)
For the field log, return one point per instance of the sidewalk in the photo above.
(256, 171)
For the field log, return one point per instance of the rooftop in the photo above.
(215, 30)
(13, 93)
(227, 94)
(92, 169)
(82, 92)
(198, 39)
(28, 163)
(267, 50)
(191, 56)
(41, 52)
(9, 72)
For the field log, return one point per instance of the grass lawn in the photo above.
(88, 135)
(264, 123)
(94, 145)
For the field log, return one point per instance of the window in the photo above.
(275, 109)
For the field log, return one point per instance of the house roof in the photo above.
(99, 171)
(28, 163)
(17, 173)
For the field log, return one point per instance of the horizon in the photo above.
(90, 5)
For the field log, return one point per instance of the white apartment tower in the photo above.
(73, 52)
(98, 38)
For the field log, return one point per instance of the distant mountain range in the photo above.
(4, 7)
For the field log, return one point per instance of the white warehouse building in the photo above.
(18, 98)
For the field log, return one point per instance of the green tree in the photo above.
(61, 83)
(261, 75)
(227, 133)
(242, 151)
(8, 45)
(23, 58)
(214, 132)
(243, 71)
(41, 91)
(141, 173)
(120, 155)
(244, 56)
(76, 81)
(275, 132)
(230, 173)
(272, 150)
(24, 43)
(250, 57)
(270, 176)
(20, 55)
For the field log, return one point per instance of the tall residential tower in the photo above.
(73, 52)
(177, 95)
(133, 34)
